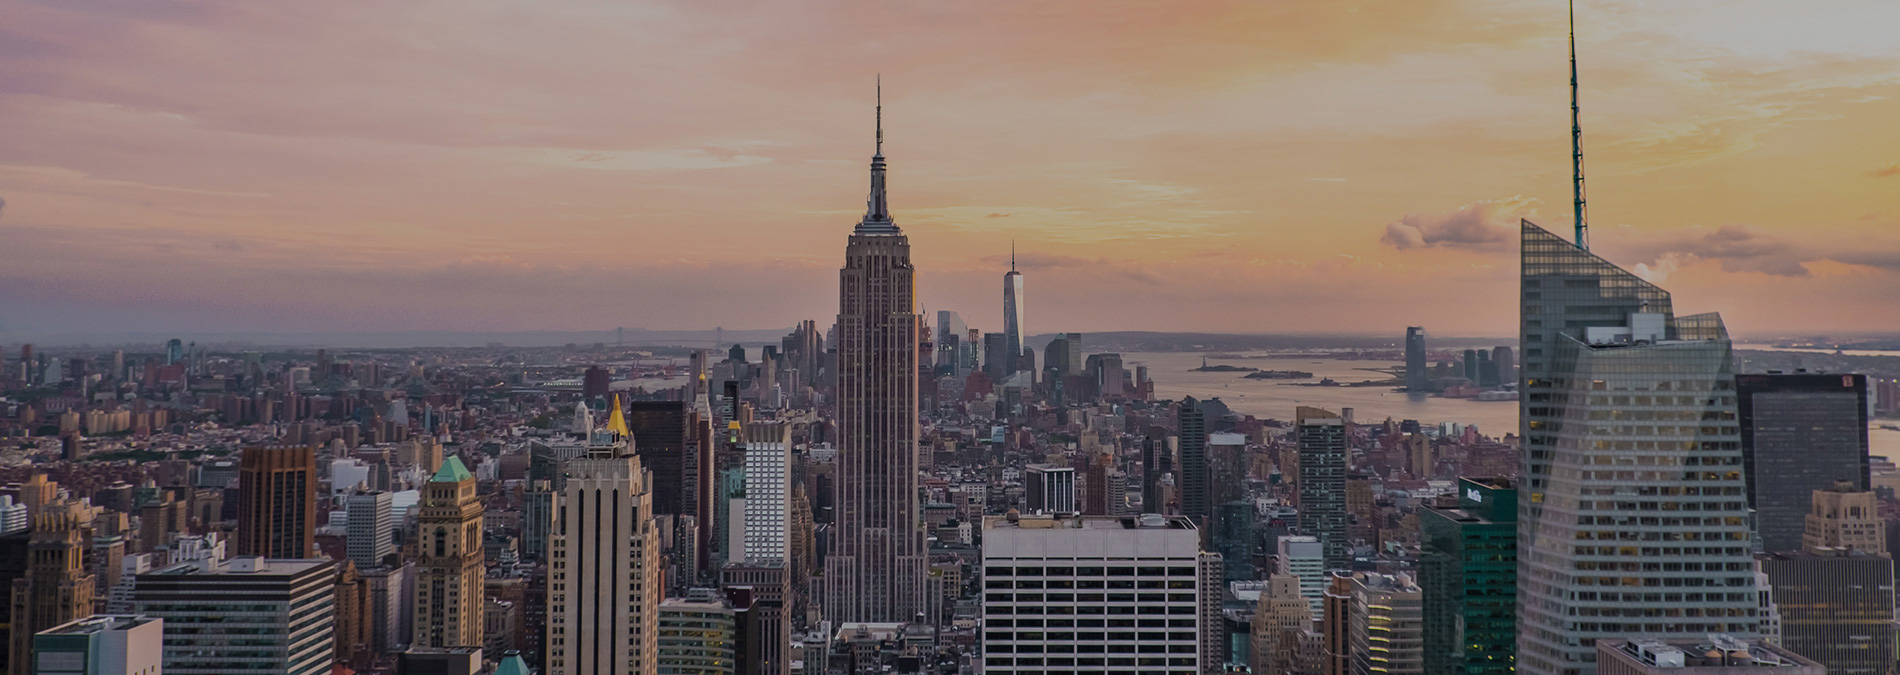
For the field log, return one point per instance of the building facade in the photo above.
(369, 527)
(768, 489)
(1387, 625)
(875, 570)
(1093, 595)
(1633, 496)
(1322, 439)
(1468, 575)
(101, 644)
(603, 571)
(277, 502)
(246, 614)
(1801, 432)
(449, 564)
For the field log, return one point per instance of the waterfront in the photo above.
(1174, 376)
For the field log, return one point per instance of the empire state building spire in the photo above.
(877, 208)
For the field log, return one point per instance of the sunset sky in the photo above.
(1264, 166)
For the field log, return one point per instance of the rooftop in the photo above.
(99, 623)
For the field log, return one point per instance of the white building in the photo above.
(370, 522)
(1049, 490)
(1095, 594)
(101, 644)
(1305, 557)
(12, 516)
(768, 487)
(603, 571)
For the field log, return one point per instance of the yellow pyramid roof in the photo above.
(617, 422)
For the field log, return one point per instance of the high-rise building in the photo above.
(1124, 595)
(1155, 461)
(287, 605)
(1049, 489)
(369, 526)
(697, 636)
(1278, 620)
(1336, 625)
(277, 502)
(1304, 558)
(101, 644)
(1800, 433)
(996, 359)
(1322, 444)
(875, 571)
(950, 344)
(604, 571)
(768, 489)
(449, 565)
(1387, 625)
(1632, 492)
(596, 382)
(1468, 574)
(1836, 600)
(1417, 378)
(1013, 317)
(57, 587)
(1195, 501)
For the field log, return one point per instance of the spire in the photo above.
(1012, 255)
(617, 421)
(877, 209)
(1576, 135)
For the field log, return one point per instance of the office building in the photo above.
(1049, 490)
(659, 436)
(369, 525)
(1715, 654)
(697, 637)
(951, 338)
(1468, 574)
(277, 502)
(56, 587)
(768, 489)
(1801, 432)
(875, 570)
(1013, 317)
(1835, 596)
(996, 357)
(759, 599)
(603, 571)
(1304, 558)
(1195, 500)
(1417, 377)
(1322, 482)
(449, 566)
(1336, 626)
(1632, 493)
(287, 605)
(1094, 595)
(101, 644)
(440, 661)
(1387, 625)
(1279, 619)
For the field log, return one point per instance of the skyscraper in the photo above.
(1387, 626)
(1416, 377)
(277, 502)
(1632, 494)
(876, 568)
(1468, 573)
(369, 527)
(950, 348)
(1194, 482)
(56, 588)
(1836, 595)
(449, 566)
(287, 607)
(1012, 316)
(659, 436)
(1322, 439)
(768, 489)
(604, 570)
(1800, 433)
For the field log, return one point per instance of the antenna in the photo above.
(1576, 136)
(1012, 255)
(880, 110)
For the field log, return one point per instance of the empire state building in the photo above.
(875, 572)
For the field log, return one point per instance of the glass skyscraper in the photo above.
(1633, 520)
(1800, 433)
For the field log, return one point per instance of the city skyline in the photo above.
(422, 180)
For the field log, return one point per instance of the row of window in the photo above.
(1099, 598)
(993, 639)
(1144, 571)
(1093, 583)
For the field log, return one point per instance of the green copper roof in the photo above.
(452, 471)
(512, 665)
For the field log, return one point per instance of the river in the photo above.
(1174, 376)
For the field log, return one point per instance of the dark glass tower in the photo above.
(1322, 440)
(1194, 481)
(1468, 572)
(1800, 433)
(1416, 377)
(1632, 494)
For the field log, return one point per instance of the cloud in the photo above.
(1487, 225)
(1739, 248)
(1891, 169)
